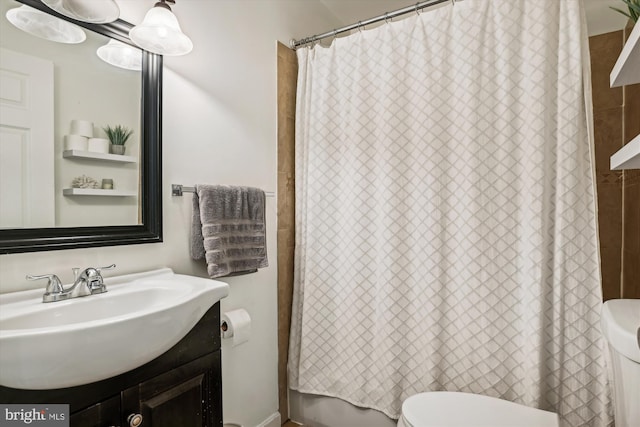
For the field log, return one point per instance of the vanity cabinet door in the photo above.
(183, 396)
(103, 414)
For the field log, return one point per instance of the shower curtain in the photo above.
(445, 212)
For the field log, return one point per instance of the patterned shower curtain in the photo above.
(445, 212)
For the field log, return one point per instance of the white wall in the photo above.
(602, 19)
(104, 95)
(219, 127)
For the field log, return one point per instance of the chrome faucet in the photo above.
(88, 282)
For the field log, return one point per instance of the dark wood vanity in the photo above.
(181, 388)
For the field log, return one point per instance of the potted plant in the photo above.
(634, 9)
(118, 135)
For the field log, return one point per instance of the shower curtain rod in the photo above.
(294, 44)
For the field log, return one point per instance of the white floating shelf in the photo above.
(627, 68)
(98, 156)
(96, 192)
(628, 157)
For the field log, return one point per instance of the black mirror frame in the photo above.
(46, 239)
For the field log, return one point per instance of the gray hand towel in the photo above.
(228, 229)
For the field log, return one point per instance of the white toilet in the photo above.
(454, 409)
(621, 327)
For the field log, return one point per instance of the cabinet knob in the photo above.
(134, 420)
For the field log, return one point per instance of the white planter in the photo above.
(117, 149)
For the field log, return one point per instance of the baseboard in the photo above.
(273, 420)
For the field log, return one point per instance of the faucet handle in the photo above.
(53, 285)
(109, 267)
(76, 273)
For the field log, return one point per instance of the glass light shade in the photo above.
(160, 33)
(45, 26)
(94, 11)
(121, 55)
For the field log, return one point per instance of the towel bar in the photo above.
(178, 189)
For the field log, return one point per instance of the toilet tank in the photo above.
(621, 328)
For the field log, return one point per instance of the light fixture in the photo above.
(94, 11)
(45, 26)
(121, 55)
(160, 32)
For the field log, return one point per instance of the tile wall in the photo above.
(287, 77)
(631, 197)
(616, 121)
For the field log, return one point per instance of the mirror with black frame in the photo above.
(55, 192)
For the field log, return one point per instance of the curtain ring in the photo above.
(417, 10)
(360, 26)
(386, 17)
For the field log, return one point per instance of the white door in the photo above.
(26, 141)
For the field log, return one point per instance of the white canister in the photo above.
(75, 142)
(82, 127)
(98, 145)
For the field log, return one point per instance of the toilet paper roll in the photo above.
(98, 145)
(75, 142)
(238, 326)
(82, 128)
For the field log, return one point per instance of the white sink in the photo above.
(82, 340)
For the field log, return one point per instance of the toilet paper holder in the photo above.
(236, 324)
(224, 330)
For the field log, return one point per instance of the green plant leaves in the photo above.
(634, 9)
(118, 134)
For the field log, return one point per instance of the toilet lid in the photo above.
(454, 409)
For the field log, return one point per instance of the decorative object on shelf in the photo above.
(95, 11)
(75, 142)
(45, 26)
(121, 55)
(98, 145)
(107, 184)
(82, 128)
(118, 135)
(160, 32)
(84, 182)
(634, 9)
